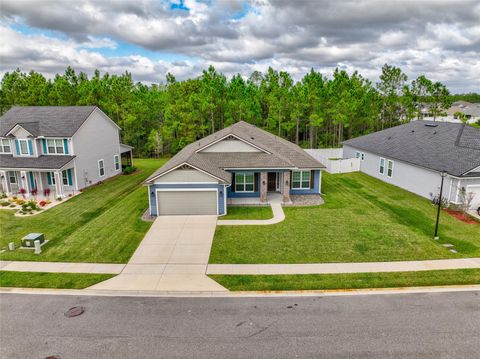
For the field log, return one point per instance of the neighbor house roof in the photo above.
(439, 146)
(275, 153)
(41, 162)
(50, 121)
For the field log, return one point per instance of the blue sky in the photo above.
(149, 38)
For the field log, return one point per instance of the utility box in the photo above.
(29, 239)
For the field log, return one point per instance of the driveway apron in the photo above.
(173, 256)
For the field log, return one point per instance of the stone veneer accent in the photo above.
(286, 186)
(263, 186)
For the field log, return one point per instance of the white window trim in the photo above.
(116, 162)
(301, 179)
(390, 161)
(55, 141)
(14, 176)
(103, 167)
(2, 145)
(52, 179)
(20, 147)
(244, 182)
(380, 166)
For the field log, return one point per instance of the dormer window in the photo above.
(23, 146)
(5, 146)
(55, 146)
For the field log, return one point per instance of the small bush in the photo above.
(129, 169)
(46, 192)
(3, 195)
(59, 198)
(42, 203)
(20, 201)
(4, 203)
(12, 205)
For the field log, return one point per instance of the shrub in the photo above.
(20, 201)
(4, 203)
(12, 205)
(46, 192)
(3, 195)
(34, 192)
(129, 169)
(59, 198)
(42, 203)
(14, 198)
(22, 191)
(32, 204)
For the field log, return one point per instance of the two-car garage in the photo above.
(187, 202)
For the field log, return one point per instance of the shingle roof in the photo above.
(281, 153)
(54, 121)
(41, 162)
(439, 146)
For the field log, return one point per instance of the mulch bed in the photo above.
(459, 215)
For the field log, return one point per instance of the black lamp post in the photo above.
(443, 174)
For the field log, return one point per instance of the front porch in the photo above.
(38, 184)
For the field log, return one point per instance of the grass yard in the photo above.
(50, 280)
(363, 219)
(248, 213)
(101, 225)
(348, 281)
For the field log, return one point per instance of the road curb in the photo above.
(253, 294)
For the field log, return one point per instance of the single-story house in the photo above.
(413, 156)
(240, 161)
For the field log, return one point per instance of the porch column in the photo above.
(286, 187)
(38, 176)
(25, 183)
(5, 183)
(58, 184)
(263, 186)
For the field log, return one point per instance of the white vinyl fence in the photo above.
(333, 159)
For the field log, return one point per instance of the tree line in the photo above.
(160, 119)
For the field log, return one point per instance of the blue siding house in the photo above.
(240, 161)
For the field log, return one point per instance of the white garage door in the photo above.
(186, 202)
(476, 199)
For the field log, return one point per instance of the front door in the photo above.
(272, 181)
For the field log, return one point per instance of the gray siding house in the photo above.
(238, 162)
(63, 149)
(412, 156)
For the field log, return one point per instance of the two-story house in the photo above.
(61, 148)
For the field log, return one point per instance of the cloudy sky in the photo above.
(149, 38)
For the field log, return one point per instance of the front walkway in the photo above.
(275, 202)
(332, 268)
(173, 256)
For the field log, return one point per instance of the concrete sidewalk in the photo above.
(61, 267)
(332, 268)
(278, 216)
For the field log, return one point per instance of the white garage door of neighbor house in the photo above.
(476, 198)
(186, 202)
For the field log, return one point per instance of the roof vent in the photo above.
(431, 125)
(252, 138)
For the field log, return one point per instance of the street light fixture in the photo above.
(443, 174)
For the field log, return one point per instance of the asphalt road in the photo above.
(441, 325)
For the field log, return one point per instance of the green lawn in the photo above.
(248, 213)
(100, 225)
(363, 219)
(348, 281)
(50, 280)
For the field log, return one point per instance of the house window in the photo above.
(357, 154)
(23, 144)
(55, 146)
(64, 178)
(244, 181)
(301, 180)
(389, 168)
(382, 166)
(101, 168)
(5, 146)
(12, 177)
(116, 161)
(52, 178)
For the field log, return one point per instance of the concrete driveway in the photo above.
(173, 256)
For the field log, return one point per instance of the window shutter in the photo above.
(44, 145)
(30, 147)
(69, 176)
(255, 182)
(312, 179)
(232, 187)
(65, 146)
(49, 178)
(17, 147)
(291, 179)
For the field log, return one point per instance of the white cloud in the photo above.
(440, 39)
